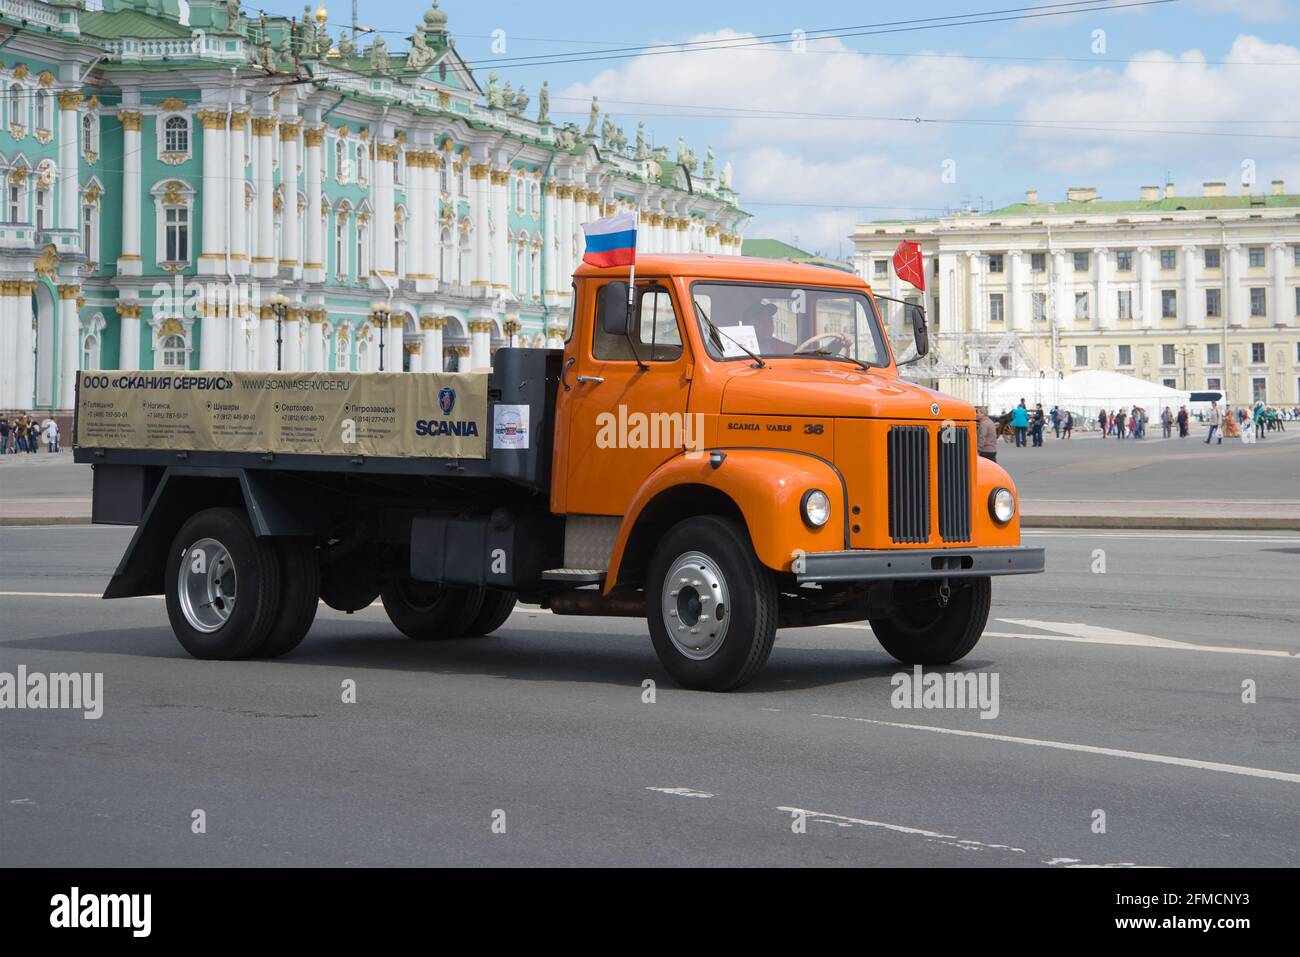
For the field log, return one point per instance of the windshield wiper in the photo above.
(758, 363)
(833, 355)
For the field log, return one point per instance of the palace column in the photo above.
(315, 339)
(69, 344)
(417, 201)
(974, 289)
(480, 344)
(384, 226)
(1101, 288)
(461, 355)
(1190, 312)
(1147, 316)
(290, 254)
(550, 274)
(265, 262)
(25, 336)
(500, 179)
(237, 195)
(313, 265)
(1234, 311)
(430, 230)
(478, 187)
(11, 361)
(1281, 306)
(291, 332)
(69, 156)
(266, 339)
(128, 316)
(564, 238)
(416, 357)
(212, 259)
(128, 260)
(1015, 289)
(431, 337)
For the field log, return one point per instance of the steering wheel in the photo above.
(842, 339)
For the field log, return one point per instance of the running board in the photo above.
(574, 576)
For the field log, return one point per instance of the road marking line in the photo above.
(1096, 634)
(56, 594)
(682, 792)
(1287, 776)
(844, 820)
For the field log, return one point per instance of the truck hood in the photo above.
(833, 389)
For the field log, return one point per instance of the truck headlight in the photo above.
(1002, 505)
(816, 507)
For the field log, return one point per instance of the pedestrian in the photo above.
(1167, 422)
(5, 429)
(20, 434)
(1020, 422)
(1038, 423)
(1182, 422)
(986, 434)
(1260, 416)
(1102, 421)
(1056, 421)
(1119, 423)
(1068, 427)
(51, 435)
(1215, 419)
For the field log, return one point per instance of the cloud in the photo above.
(1262, 11)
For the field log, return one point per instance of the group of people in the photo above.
(1128, 423)
(1232, 424)
(25, 433)
(1028, 424)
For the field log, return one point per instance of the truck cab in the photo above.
(724, 447)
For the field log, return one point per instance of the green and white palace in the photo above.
(190, 188)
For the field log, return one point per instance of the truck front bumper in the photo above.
(909, 565)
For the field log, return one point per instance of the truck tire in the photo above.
(349, 585)
(931, 634)
(428, 611)
(299, 598)
(222, 585)
(496, 608)
(711, 604)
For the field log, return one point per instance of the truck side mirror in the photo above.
(920, 333)
(612, 307)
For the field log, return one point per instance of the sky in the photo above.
(835, 113)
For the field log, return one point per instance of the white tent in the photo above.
(1092, 390)
(1084, 393)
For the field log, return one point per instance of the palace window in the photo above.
(1257, 356)
(17, 115)
(1037, 262)
(1080, 355)
(1213, 303)
(45, 111)
(1258, 301)
(176, 135)
(1168, 259)
(995, 262)
(1168, 303)
(1212, 260)
(1213, 354)
(178, 234)
(90, 351)
(90, 136)
(90, 231)
(881, 269)
(173, 211)
(521, 270)
(342, 361)
(42, 210)
(363, 162)
(442, 179)
(172, 353)
(1167, 355)
(1039, 303)
(340, 245)
(1123, 355)
(535, 269)
(1259, 389)
(445, 254)
(1080, 305)
(1124, 304)
(341, 160)
(1124, 260)
(535, 201)
(996, 312)
(1081, 262)
(1256, 257)
(363, 252)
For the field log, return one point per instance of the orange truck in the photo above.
(725, 449)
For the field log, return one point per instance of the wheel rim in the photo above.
(206, 583)
(696, 605)
(421, 596)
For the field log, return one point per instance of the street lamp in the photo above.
(380, 312)
(279, 304)
(1185, 353)
(511, 329)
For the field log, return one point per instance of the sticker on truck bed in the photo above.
(377, 414)
(510, 426)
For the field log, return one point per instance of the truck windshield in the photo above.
(775, 321)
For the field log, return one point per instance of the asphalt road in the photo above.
(545, 722)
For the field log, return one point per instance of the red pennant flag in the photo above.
(908, 265)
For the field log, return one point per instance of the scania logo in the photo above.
(934, 408)
(447, 400)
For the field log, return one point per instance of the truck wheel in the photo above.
(496, 608)
(349, 585)
(299, 598)
(431, 611)
(927, 633)
(711, 605)
(222, 585)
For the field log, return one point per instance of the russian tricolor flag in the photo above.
(612, 241)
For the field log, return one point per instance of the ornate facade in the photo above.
(1196, 292)
(189, 188)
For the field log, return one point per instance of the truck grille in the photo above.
(954, 484)
(909, 483)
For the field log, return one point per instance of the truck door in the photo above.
(623, 419)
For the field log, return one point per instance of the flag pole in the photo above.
(631, 275)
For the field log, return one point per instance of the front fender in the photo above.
(766, 487)
(988, 476)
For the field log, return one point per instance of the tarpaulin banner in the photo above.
(392, 414)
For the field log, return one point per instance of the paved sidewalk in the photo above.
(1164, 513)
